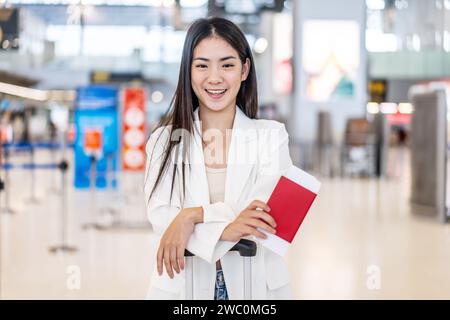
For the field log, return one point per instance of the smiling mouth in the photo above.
(216, 91)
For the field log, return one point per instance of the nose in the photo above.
(214, 76)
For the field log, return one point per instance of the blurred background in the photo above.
(362, 86)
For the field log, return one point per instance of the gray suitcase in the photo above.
(247, 250)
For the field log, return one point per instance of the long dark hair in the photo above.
(184, 102)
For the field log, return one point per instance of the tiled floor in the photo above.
(361, 240)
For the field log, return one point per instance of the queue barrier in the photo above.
(62, 166)
(36, 145)
(30, 166)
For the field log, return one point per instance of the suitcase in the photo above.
(246, 249)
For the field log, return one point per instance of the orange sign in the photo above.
(93, 141)
(5, 134)
(134, 129)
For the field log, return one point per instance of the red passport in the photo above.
(289, 203)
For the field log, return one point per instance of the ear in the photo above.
(245, 69)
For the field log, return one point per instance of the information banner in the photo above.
(133, 129)
(96, 127)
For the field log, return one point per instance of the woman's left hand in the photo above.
(174, 241)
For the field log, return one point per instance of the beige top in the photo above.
(216, 184)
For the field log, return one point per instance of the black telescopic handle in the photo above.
(246, 248)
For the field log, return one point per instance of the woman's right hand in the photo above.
(174, 241)
(248, 220)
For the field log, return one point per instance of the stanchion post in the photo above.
(33, 199)
(63, 247)
(109, 183)
(53, 160)
(6, 184)
(92, 186)
(63, 166)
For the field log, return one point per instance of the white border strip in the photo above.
(304, 179)
(274, 243)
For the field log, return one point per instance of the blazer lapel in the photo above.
(198, 182)
(242, 155)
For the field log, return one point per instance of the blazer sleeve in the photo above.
(161, 210)
(274, 161)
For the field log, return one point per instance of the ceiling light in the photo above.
(260, 45)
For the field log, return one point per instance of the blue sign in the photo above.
(96, 111)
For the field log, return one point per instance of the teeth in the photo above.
(216, 91)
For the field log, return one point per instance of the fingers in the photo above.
(257, 223)
(173, 258)
(265, 217)
(171, 247)
(167, 263)
(159, 260)
(252, 231)
(258, 204)
(180, 258)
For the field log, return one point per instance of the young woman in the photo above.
(211, 166)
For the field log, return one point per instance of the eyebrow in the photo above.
(221, 59)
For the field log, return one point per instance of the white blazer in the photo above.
(258, 155)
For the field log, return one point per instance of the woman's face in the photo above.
(217, 73)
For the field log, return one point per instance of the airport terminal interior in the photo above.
(362, 87)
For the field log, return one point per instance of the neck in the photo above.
(221, 120)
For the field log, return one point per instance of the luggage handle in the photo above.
(246, 248)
